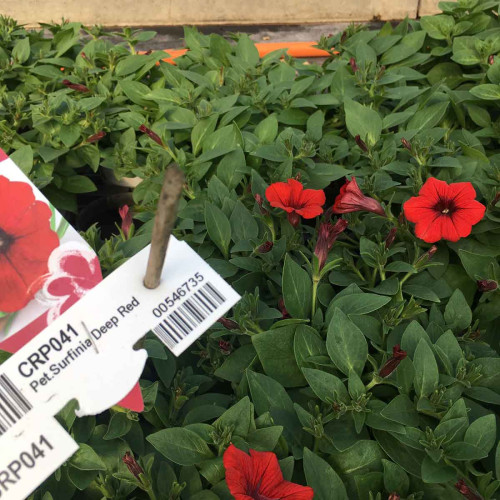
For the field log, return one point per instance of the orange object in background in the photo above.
(295, 49)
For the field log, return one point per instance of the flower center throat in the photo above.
(446, 207)
(5, 241)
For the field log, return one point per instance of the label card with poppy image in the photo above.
(45, 265)
(87, 353)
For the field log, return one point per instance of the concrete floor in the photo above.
(171, 37)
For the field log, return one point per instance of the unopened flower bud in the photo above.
(282, 308)
(225, 347)
(389, 240)
(392, 363)
(353, 64)
(265, 247)
(393, 496)
(406, 144)
(95, 137)
(75, 86)
(260, 202)
(343, 38)
(132, 465)
(151, 134)
(462, 488)
(491, 59)
(496, 199)
(487, 285)
(362, 144)
(229, 324)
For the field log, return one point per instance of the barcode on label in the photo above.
(13, 405)
(189, 315)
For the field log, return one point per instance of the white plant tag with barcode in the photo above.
(87, 353)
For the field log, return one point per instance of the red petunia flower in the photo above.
(74, 270)
(392, 363)
(352, 199)
(26, 242)
(258, 477)
(327, 235)
(444, 211)
(295, 200)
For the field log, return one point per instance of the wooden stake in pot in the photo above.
(166, 215)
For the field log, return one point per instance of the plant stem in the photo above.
(316, 281)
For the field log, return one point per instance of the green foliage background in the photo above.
(305, 386)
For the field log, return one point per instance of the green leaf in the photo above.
(363, 121)
(438, 27)
(433, 472)
(265, 439)
(457, 313)
(297, 286)
(239, 417)
(395, 478)
(364, 456)
(482, 433)
(275, 351)
(181, 446)
(428, 117)
(487, 91)
(463, 451)
(243, 224)
(346, 344)
(267, 130)
(118, 426)
(235, 365)
(267, 393)
(21, 50)
(315, 126)
(326, 386)
(87, 459)
(247, 51)
(218, 227)
(426, 369)
(409, 45)
(78, 184)
(233, 168)
(412, 335)
(201, 130)
(479, 266)
(322, 478)
(135, 91)
(23, 158)
(402, 410)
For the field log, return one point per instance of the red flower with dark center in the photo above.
(327, 235)
(392, 363)
(444, 211)
(26, 242)
(258, 477)
(295, 200)
(352, 199)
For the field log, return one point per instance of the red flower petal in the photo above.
(278, 195)
(310, 212)
(239, 471)
(28, 243)
(296, 188)
(435, 190)
(313, 197)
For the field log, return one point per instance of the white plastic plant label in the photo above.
(86, 354)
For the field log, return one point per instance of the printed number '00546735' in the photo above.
(170, 300)
(26, 460)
